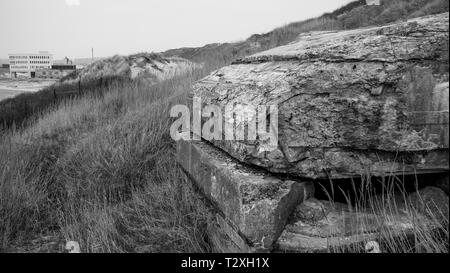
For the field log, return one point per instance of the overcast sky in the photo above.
(71, 27)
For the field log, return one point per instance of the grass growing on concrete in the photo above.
(408, 222)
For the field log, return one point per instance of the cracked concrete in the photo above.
(255, 203)
(350, 102)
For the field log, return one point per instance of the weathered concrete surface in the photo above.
(221, 235)
(371, 100)
(255, 203)
(433, 202)
(322, 226)
(224, 238)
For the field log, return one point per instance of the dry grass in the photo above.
(100, 170)
(407, 222)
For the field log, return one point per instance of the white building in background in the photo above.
(28, 64)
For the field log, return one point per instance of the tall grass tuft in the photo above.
(100, 170)
(406, 222)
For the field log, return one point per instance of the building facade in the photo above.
(28, 64)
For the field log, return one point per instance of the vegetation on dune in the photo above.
(101, 171)
(17, 110)
(146, 67)
(353, 15)
(125, 66)
(100, 168)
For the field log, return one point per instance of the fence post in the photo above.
(79, 85)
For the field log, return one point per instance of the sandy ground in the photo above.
(12, 87)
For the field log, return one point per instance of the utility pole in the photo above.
(92, 55)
